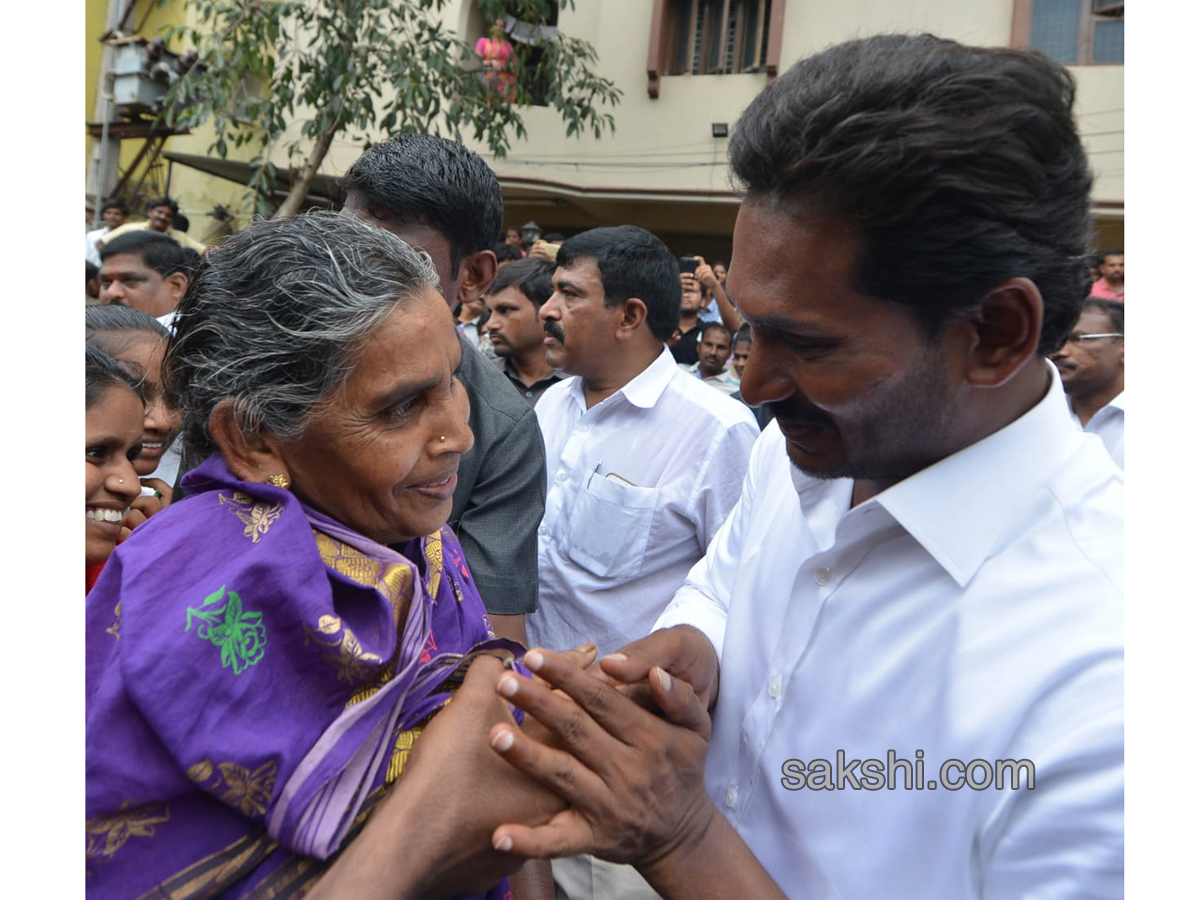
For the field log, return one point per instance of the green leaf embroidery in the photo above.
(241, 636)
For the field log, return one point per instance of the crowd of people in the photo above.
(856, 495)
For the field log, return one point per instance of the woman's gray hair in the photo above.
(275, 317)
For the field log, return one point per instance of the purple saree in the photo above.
(253, 686)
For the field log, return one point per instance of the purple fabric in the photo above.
(218, 694)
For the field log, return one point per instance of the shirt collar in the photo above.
(1117, 402)
(959, 508)
(648, 385)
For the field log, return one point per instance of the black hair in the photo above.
(1105, 254)
(159, 252)
(533, 275)
(960, 167)
(102, 373)
(115, 203)
(705, 329)
(180, 222)
(554, 237)
(93, 271)
(1111, 308)
(432, 180)
(632, 263)
(164, 201)
(506, 252)
(116, 317)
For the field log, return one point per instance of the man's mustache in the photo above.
(555, 331)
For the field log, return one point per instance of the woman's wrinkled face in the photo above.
(162, 423)
(113, 436)
(382, 456)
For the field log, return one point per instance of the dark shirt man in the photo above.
(686, 349)
(440, 197)
(514, 328)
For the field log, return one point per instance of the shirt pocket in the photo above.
(609, 528)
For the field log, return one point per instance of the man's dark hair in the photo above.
(435, 181)
(711, 326)
(115, 203)
(533, 275)
(165, 201)
(632, 263)
(1107, 253)
(1111, 308)
(554, 237)
(507, 252)
(180, 222)
(960, 167)
(159, 252)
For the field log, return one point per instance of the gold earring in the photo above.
(279, 481)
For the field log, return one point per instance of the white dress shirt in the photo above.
(90, 253)
(637, 487)
(972, 611)
(1109, 425)
(727, 382)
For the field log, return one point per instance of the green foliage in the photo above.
(353, 66)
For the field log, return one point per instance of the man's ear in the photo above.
(251, 457)
(631, 316)
(177, 284)
(1004, 332)
(476, 272)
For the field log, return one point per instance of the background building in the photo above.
(687, 69)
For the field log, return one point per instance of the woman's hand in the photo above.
(431, 836)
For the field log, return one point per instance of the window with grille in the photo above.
(716, 37)
(1074, 32)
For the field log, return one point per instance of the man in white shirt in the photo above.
(643, 463)
(714, 353)
(1092, 366)
(921, 587)
(145, 270)
(114, 213)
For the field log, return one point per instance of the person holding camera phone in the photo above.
(699, 284)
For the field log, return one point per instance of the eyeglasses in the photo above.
(1081, 338)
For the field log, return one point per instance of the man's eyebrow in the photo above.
(783, 323)
(565, 283)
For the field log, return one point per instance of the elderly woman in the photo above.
(259, 661)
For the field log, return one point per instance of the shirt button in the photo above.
(775, 687)
(529, 393)
(562, 476)
(583, 429)
(731, 796)
(824, 574)
(543, 530)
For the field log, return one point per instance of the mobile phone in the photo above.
(688, 264)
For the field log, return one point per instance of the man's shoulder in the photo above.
(708, 402)
(492, 394)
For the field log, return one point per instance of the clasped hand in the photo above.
(634, 779)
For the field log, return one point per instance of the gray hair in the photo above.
(275, 317)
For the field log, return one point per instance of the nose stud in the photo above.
(442, 439)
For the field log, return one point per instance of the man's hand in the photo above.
(634, 781)
(706, 276)
(683, 651)
(544, 249)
